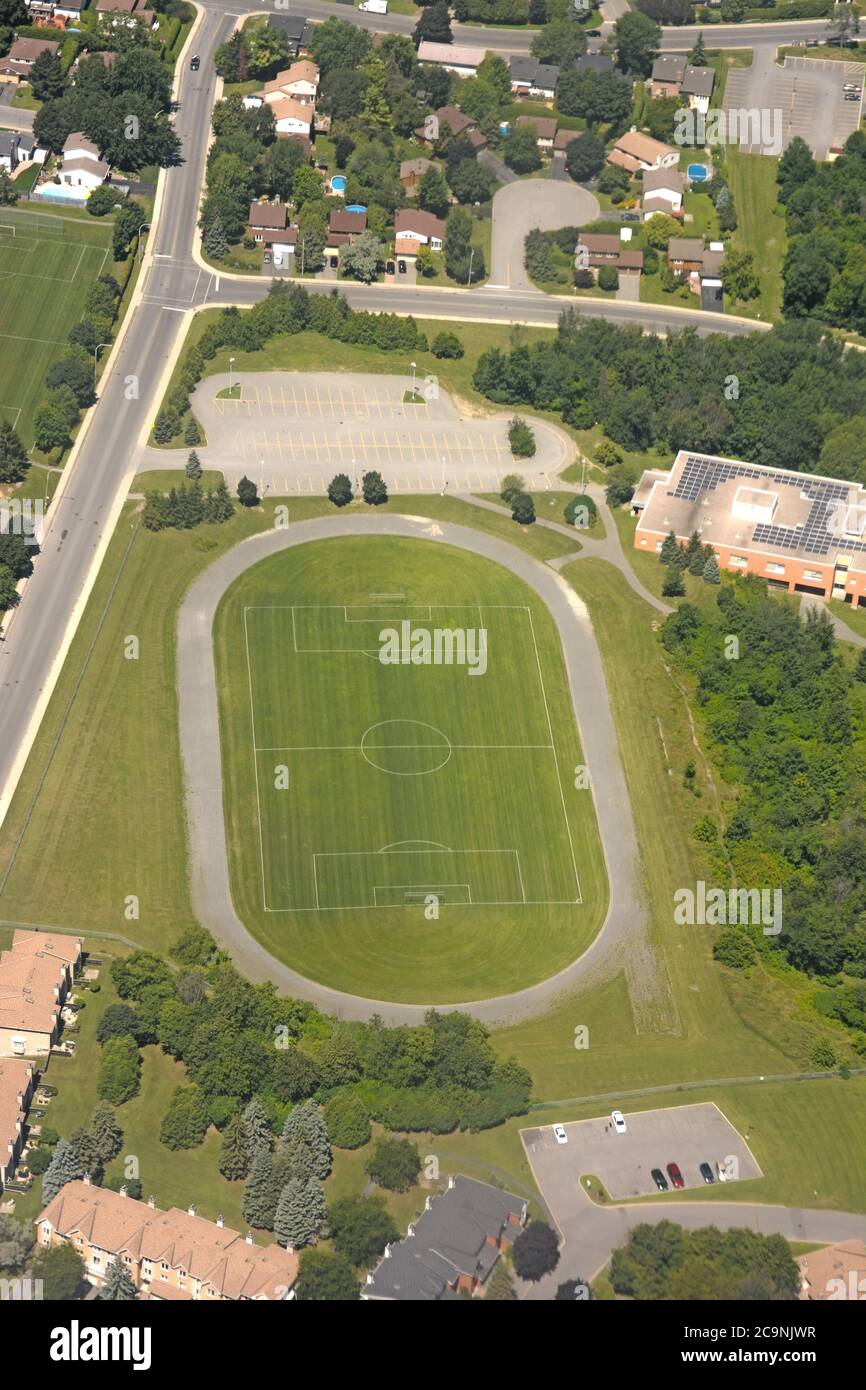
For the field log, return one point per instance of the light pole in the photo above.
(231, 364)
(413, 383)
(140, 230)
(96, 352)
(261, 478)
(471, 259)
(444, 481)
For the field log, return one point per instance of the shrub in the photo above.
(521, 438)
(608, 278)
(347, 1120)
(394, 1164)
(536, 1251)
(447, 345)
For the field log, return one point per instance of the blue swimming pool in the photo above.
(356, 207)
(698, 173)
(338, 183)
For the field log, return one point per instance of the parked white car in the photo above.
(618, 1121)
(559, 1134)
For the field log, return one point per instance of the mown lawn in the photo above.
(760, 228)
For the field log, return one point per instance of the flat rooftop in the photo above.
(749, 507)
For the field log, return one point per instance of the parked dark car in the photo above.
(706, 1173)
(659, 1179)
(675, 1175)
(194, 63)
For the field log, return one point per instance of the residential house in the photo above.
(663, 192)
(452, 1247)
(348, 224)
(533, 79)
(453, 57)
(544, 127)
(70, 9)
(685, 254)
(561, 141)
(8, 153)
(267, 222)
(297, 29)
(697, 86)
(171, 1255)
(634, 151)
(666, 77)
(126, 12)
(414, 229)
(292, 117)
(597, 249)
(412, 172)
(452, 118)
(300, 81)
(15, 67)
(16, 1088)
(835, 1272)
(36, 975)
(81, 166)
(594, 62)
(710, 278)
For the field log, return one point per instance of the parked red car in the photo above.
(675, 1175)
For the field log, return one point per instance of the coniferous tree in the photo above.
(215, 240)
(711, 569)
(13, 456)
(118, 1285)
(306, 1124)
(106, 1133)
(261, 1192)
(234, 1160)
(670, 550)
(64, 1168)
(257, 1128)
(193, 466)
(300, 1213)
(191, 433)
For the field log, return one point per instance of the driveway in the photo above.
(521, 206)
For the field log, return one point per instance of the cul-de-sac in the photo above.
(432, 655)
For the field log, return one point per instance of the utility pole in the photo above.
(471, 258)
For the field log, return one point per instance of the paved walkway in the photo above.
(623, 940)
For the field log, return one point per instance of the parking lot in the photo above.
(809, 95)
(687, 1135)
(291, 432)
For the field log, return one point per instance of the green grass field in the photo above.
(760, 228)
(47, 265)
(356, 790)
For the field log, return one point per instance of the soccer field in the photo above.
(422, 814)
(47, 265)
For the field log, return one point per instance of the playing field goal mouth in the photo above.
(408, 877)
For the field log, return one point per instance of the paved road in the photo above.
(624, 932)
(517, 209)
(13, 118)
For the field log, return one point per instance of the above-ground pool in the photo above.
(338, 183)
(698, 172)
(356, 207)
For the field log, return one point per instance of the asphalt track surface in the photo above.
(625, 927)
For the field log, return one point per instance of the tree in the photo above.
(300, 1213)
(447, 345)
(340, 490)
(119, 1070)
(520, 149)
(374, 489)
(76, 373)
(735, 948)
(511, 485)
(795, 168)
(568, 1291)
(13, 456)
(608, 277)
(336, 44)
(193, 466)
(361, 1227)
(103, 200)
(433, 192)
(16, 1241)
(261, 1192)
(636, 40)
(523, 509)
(191, 434)
(710, 572)
(248, 494)
(347, 1120)
(306, 1125)
(47, 79)
(521, 438)
(698, 54)
(8, 192)
(561, 43)
(823, 1054)
(215, 240)
(234, 1157)
(470, 181)
(325, 1277)
(584, 156)
(51, 425)
(8, 591)
(738, 276)
(536, 1251)
(364, 257)
(117, 1021)
(394, 1164)
(64, 1168)
(106, 1134)
(185, 1123)
(118, 1286)
(596, 96)
(281, 161)
(434, 25)
(258, 1134)
(660, 116)
(61, 1269)
(673, 586)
